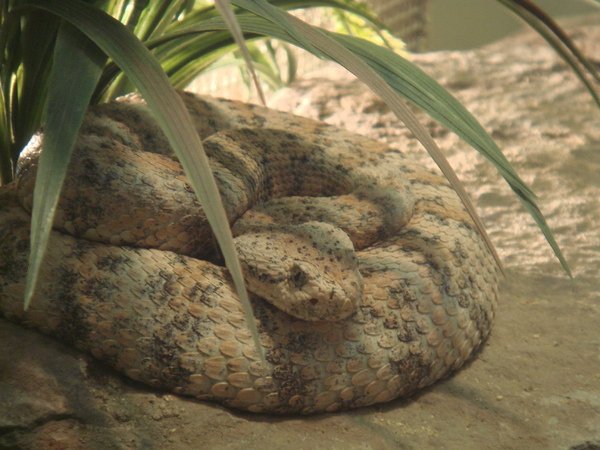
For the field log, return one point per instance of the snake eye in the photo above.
(298, 277)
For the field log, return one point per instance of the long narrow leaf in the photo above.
(275, 15)
(38, 33)
(559, 33)
(169, 111)
(6, 169)
(9, 61)
(451, 113)
(426, 93)
(224, 8)
(558, 40)
(75, 71)
(157, 16)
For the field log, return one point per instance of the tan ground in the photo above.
(535, 385)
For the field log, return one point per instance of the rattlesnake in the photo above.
(398, 299)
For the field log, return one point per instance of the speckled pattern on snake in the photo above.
(368, 278)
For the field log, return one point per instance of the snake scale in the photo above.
(367, 276)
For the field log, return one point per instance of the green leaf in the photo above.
(275, 15)
(76, 67)
(156, 17)
(38, 34)
(537, 19)
(6, 166)
(9, 61)
(169, 111)
(224, 8)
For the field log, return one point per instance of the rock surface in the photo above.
(535, 385)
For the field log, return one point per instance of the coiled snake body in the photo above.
(367, 276)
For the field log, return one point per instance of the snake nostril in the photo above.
(298, 276)
(313, 301)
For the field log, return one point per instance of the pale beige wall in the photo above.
(461, 24)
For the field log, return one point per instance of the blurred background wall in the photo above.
(461, 24)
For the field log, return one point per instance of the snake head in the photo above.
(309, 271)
